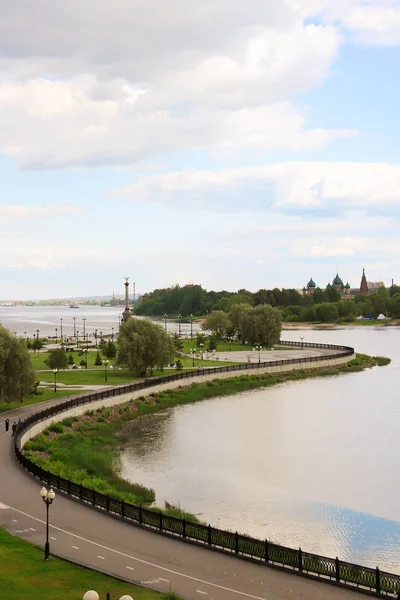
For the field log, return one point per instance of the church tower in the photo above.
(364, 284)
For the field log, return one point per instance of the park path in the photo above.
(86, 536)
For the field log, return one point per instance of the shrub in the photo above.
(56, 428)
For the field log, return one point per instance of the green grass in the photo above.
(47, 394)
(88, 377)
(24, 574)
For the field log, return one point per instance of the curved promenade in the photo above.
(93, 538)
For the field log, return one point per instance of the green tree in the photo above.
(109, 350)
(17, 374)
(37, 344)
(144, 345)
(326, 312)
(212, 342)
(217, 322)
(70, 359)
(97, 361)
(238, 316)
(201, 339)
(262, 325)
(57, 359)
(177, 342)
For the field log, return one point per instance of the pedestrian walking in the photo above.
(7, 424)
(14, 427)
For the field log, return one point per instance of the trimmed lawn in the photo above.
(24, 574)
(46, 395)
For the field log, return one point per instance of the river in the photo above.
(311, 464)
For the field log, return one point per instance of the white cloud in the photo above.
(148, 77)
(284, 186)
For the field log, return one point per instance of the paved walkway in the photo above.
(92, 538)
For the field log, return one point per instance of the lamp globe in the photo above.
(91, 595)
(43, 492)
(126, 597)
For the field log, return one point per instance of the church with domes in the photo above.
(345, 291)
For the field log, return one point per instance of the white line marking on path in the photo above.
(102, 557)
(201, 592)
(53, 538)
(76, 547)
(130, 568)
(15, 521)
(139, 560)
(166, 580)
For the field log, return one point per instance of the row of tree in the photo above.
(194, 300)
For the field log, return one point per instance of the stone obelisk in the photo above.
(127, 312)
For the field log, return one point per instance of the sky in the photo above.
(228, 144)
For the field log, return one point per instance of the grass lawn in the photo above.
(46, 395)
(24, 574)
(88, 377)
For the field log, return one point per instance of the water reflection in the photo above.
(309, 463)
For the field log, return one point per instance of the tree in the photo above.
(109, 350)
(143, 345)
(217, 322)
(201, 339)
(37, 344)
(238, 316)
(326, 312)
(57, 359)
(97, 361)
(212, 342)
(177, 342)
(262, 325)
(70, 359)
(17, 374)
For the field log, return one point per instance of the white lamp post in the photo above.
(48, 497)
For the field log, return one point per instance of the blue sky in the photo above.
(227, 147)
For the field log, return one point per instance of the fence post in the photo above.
(122, 508)
(80, 492)
(184, 528)
(161, 517)
(237, 542)
(94, 498)
(337, 562)
(300, 560)
(108, 503)
(69, 486)
(378, 580)
(266, 551)
(209, 535)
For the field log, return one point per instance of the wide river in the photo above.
(312, 464)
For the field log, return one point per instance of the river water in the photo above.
(312, 464)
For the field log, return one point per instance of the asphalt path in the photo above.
(97, 540)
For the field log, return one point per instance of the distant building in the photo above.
(310, 289)
(363, 284)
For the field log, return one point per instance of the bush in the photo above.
(56, 428)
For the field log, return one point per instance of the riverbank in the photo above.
(289, 326)
(92, 458)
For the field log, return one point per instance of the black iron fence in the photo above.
(305, 563)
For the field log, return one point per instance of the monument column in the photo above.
(127, 312)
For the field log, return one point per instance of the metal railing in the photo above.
(330, 569)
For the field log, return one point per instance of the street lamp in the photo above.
(192, 352)
(165, 322)
(48, 498)
(179, 317)
(230, 339)
(37, 333)
(93, 595)
(86, 353)
(77, 338)
(84, 324)
(302, 341)
(56, 335)
(74, 318)
(25, 334)
(105, 363)
(61, 331)
(258, 348)
(191, 326)
(55, 371)
(112, 334)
